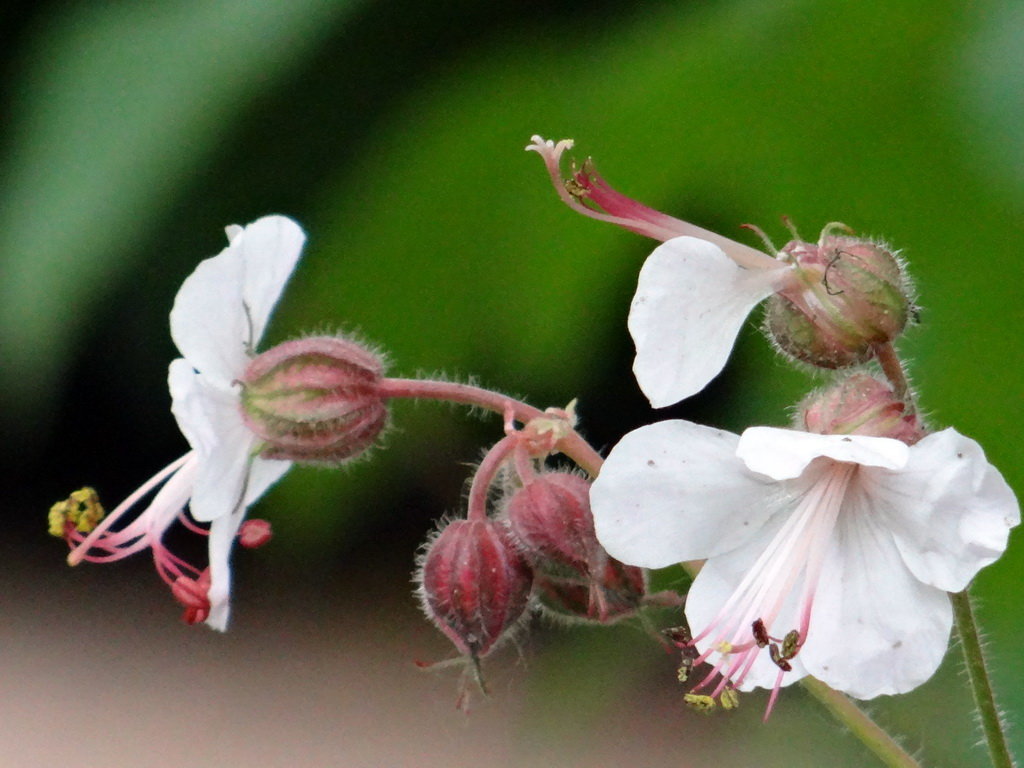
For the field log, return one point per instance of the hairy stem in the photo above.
(893, 370)
(573, 446)
(981, 686)
(871, 734)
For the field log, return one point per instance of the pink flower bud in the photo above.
(474, 584)
(551, 516)
(615, 592)
(860, 405)
(846, 296)
(574, 577)
(314, 400)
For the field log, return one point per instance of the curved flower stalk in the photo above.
(833, 301)
(218, 318)
(827, 555)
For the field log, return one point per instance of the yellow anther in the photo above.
(790, 644)
(57, 517)
(729, 698)
(577, 190)
(82, 509)
(724, 647)
(699, 702)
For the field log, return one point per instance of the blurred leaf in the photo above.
(120, 103)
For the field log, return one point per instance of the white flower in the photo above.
(218, 318)
(848, 544)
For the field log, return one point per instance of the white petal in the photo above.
(270, 249)
(187, 402)
(222, 539)
(211, 420)
(675, 491)
(222, 308)
(690, 303)
(949, 510)
(783, 454)
(208, 322)
(715, 584)
(875, 629)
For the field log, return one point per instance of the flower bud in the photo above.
(846, 296)
(474, 584)
(551, 516)
(573, 576)
(860, 405)
(614, 592)
(314, 400)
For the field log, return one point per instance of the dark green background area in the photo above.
(394, 132)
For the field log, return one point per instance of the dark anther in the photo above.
(777, 659)
(760, 633)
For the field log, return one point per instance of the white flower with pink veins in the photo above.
(827, 555)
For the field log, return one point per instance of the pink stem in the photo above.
(573, 446)
(485, 475)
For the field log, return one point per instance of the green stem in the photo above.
(873, 736)
(985, 701)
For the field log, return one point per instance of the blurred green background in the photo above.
(393, 130)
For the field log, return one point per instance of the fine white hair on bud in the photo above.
(314, 400)
(844, 297)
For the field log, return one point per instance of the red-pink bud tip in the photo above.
(474, 584)
(315, 400)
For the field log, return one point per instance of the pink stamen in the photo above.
(102, 545)
(78, 553)
(797, 549)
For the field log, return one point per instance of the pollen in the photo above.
(700, 702)
(729, 698)
(81, 510)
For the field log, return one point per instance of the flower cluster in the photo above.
(478, 576)
(829, 549)
(826, 549)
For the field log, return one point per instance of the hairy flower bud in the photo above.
(314, 400)
(551, 516)
(846, 296)
(614, 592)
(860, 405)
(474, 584)
(574, 577)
